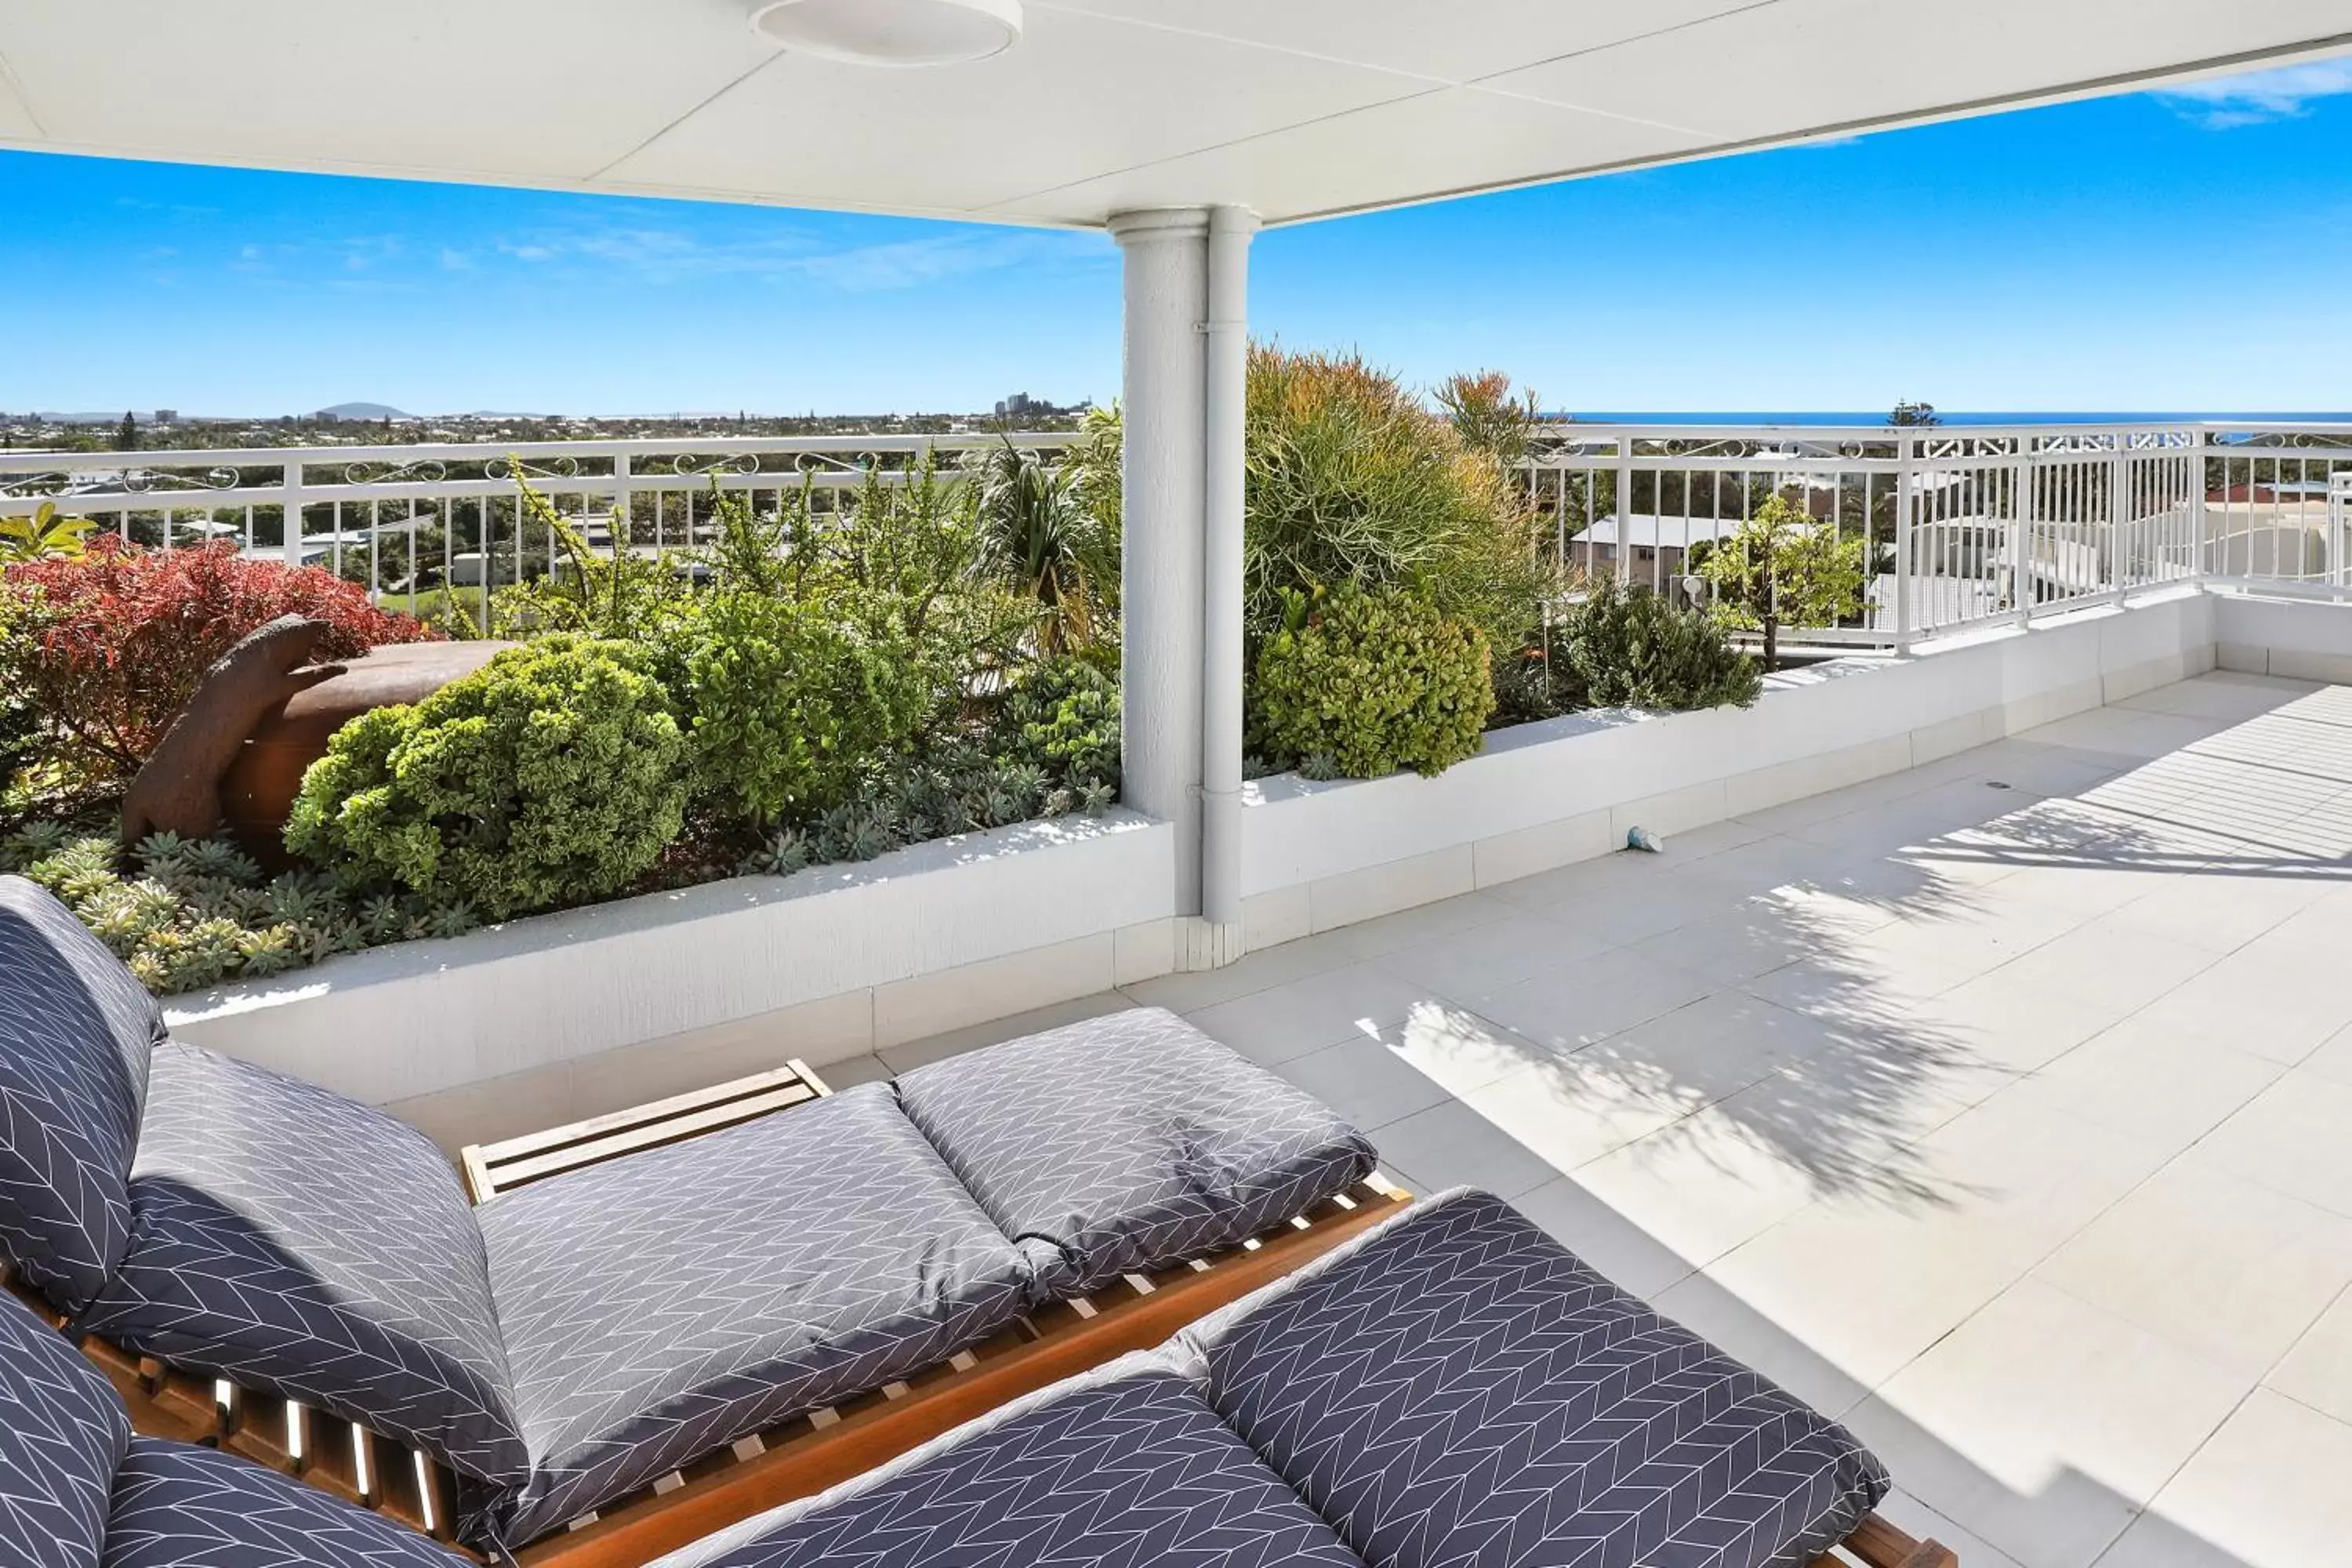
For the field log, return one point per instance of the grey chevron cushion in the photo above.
(1459, 1389)
(176, 1506)
(75, 1031)
(1126, 1143)
(299, 1242)
(658, 1307)
(1130, 1472)
(62, 1432)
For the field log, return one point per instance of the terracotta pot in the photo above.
(258, 791)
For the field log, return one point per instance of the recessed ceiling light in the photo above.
(891, 32)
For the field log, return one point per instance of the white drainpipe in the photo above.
(1223, 497)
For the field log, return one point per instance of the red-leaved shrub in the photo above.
(125, 633)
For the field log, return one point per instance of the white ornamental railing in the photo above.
(435, 527)
(1962, 526)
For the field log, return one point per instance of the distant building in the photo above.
(167, 416)
(1021, 406)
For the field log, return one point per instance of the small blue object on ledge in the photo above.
(1648, 842)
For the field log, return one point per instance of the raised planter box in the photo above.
(829, 962)
(1319, 855)
(653, 994)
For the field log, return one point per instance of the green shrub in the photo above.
(1352, 481)
(1627, 646)
(785, 708)
(555, 774)
(1367, 682)
(1062, 717)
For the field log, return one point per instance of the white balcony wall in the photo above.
(1319, 855)
(830, 963)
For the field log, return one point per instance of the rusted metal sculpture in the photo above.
(265, 774)
(178, 789)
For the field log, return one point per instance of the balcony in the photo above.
(1967, 1060)
(1968, 1054)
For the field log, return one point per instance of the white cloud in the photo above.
(2285, 93)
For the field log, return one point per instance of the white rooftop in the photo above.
(1297, 108)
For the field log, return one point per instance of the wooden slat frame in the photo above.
(494, 1168)
(1878, 1545)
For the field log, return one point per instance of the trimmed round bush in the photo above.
(1062, 717)
(556, 774)
(785, 705)
(1370, 681)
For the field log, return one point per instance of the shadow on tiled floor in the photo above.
(1997, 1105)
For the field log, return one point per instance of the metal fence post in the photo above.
(292, 528)
(2199, 441)
(2021, 511)
(1906, 483)
(1624, 557)
(2119, 517)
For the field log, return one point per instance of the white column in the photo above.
(1163, 654)
(1225, 493)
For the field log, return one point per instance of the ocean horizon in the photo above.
(1945, 416)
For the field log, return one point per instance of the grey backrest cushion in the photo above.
(1459, 1389)
(1126, 1143)
(74, 1033)
(177, 1506)
(299, 1242)
(662, 1306)
(1124, 1470)
(62, 1432)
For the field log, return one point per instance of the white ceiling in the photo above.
(1298, 108)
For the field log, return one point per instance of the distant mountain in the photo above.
(362, 411)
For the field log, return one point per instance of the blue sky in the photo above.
(2187, 251)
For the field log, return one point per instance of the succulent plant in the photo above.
(382, 917)
(162, 852)
(783, 854)
(300, 898)
(1097, 797)
(33, 841)
(221, 858)
(268, 951)
(870, 833)
(453, 919)
(1318, 767)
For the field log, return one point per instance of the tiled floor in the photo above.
(2003, 1107)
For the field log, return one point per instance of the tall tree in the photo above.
(126, 435)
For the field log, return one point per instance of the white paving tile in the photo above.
(1303, 1016)
(2266, 1492)
(2045, 1423)
(2229, 1270)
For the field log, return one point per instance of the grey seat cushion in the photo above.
(661, 1306)
(1126, 1143)
(1128, 1471)
(1459, 1389)
(75, 1031)
(176, 1506)
(62, 1432)
(296, 1241)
